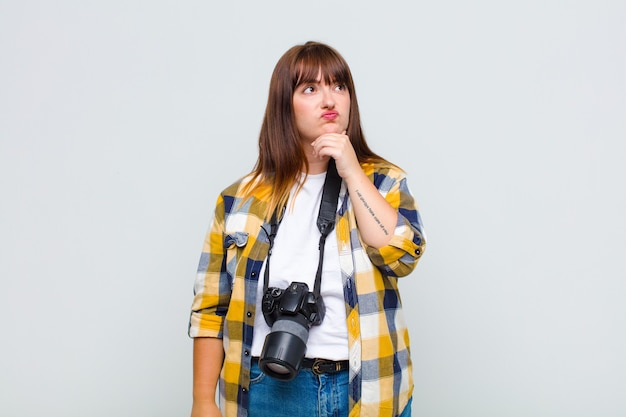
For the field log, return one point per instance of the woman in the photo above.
(312, 115)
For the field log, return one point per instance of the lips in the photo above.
(330, 115)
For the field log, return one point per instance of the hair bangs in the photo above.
(320, 64)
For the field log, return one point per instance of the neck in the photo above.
(317, 166)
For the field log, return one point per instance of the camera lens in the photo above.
(277, 368)
(284, 347)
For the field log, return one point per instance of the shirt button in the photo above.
(253, 274)
(246, 352)
(249, 314)
(417, 251)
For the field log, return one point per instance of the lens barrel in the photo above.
(284, 348)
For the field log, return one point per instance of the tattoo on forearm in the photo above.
(367, 206)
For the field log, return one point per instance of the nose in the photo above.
(328, 101)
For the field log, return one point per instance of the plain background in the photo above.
(120, 121)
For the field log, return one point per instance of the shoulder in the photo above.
(244, 198)
(243, 187)
(233, 189)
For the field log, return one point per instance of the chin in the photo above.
(332, 128)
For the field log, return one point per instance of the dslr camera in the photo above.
(290, 312)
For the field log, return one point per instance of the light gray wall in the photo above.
(120, 121)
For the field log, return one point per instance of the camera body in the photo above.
(295, 299)
(291, 312)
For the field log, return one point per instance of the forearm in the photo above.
(208, 357)
(376, 218)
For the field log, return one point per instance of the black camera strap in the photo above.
(325, 224)
(326, 216)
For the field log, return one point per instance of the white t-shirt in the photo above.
(295, 257)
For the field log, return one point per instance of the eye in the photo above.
(340, 87)
(308, 89)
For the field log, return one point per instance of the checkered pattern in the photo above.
(224, 305)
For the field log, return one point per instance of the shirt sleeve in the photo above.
(212, 287)
(400, 256)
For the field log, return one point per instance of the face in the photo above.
(321, 108)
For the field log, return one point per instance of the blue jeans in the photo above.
(307, 395)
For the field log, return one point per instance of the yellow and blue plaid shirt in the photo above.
(225, 289)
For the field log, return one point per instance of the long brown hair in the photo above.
(281, 156)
